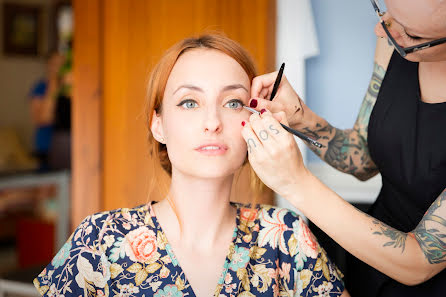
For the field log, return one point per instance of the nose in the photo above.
(392, 26)
(379, 31)
(212, 122)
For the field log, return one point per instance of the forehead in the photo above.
(418, 16)
(207, 66)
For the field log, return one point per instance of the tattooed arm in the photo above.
(410, 258)
(347, 150)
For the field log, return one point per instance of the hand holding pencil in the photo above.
(290, 102)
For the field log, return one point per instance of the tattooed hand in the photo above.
(273, 153)
(286, 98)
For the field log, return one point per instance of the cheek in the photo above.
(176, 133)
(233, 129)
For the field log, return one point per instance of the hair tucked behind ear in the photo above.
(157, 84)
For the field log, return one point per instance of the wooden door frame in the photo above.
(86, 197)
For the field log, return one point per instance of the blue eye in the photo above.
(234, 104)
(188, 104)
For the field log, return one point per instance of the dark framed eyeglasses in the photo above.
(403, 51)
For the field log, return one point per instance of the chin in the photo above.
(210, 170)
(429, 55)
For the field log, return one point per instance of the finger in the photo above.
(261, 82)
(272, 124)
(255, 147)
(258, 128)
(259, 104)
(264, 93)
(280, 138)
(280, 117)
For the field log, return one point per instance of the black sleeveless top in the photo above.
(407, 141)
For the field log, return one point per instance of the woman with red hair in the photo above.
(195, 242)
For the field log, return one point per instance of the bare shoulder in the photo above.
(383, 52)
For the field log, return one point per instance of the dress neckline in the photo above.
(174, 259)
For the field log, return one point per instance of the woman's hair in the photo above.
(157, 84)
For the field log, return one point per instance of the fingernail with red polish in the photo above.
(243, 123)
(262, 111)
(253, 103)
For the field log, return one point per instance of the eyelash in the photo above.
(186, 101)
(183, 102)
(412, 37)
(236, 101)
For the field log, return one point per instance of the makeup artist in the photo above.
(400, 132)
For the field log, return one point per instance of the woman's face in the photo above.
(414, 22)
(202, 113)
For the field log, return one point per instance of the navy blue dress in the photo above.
(125, 252)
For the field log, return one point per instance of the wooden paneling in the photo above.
(135, 33)
(87, 111)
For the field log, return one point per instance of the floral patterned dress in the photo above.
(125, 252)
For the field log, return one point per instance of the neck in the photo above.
(438, 66)
(432, 78)
(203, 208)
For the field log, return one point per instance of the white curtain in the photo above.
(296, 42)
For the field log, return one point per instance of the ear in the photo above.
(157, 127)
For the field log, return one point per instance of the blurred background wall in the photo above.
(337, 79)
(18, 73)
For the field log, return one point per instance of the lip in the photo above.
(219, 149)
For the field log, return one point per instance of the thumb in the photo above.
(281, 117)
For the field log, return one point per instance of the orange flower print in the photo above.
(140, 244)
(307, 242)
(274, 226)
(284, 272)
(248, 215)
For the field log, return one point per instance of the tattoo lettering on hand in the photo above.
(251, 143)
(271, 127)
(431, 231)
(263, 135)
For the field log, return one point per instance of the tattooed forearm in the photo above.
(344, 150)
(431, 231)
(396, 239)
(347, 150)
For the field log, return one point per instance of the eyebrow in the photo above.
(224, 89)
